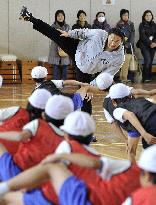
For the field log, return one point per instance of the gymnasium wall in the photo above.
(18, 37)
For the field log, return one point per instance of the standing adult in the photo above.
(127, 27)
(81, 22)
(100, 22)
(97, 51)
(147, 43)
(55, 58)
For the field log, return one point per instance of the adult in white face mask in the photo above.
(100, 22)
(101, 19)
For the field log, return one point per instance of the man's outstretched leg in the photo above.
(69, 45)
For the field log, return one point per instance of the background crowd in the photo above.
(146, 42)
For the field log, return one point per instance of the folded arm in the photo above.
(74, 83)
(39, 174)
(143, 92)
(78, 159)
(15, 136)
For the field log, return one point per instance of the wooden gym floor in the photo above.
(109, 141)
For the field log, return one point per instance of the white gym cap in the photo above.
(119, 90)
(39, 72)
(39, 98)
(59, 106)
(147, 159)
(79, 123)
(104, 81)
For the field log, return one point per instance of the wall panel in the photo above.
(4, 26)
(112, 11)
(23, 40)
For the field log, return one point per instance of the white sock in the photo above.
(4, 188)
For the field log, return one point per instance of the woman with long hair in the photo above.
(147, 43)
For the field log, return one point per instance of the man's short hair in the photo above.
(117, 32)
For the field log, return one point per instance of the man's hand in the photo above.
(63, 33)
(150, 139)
